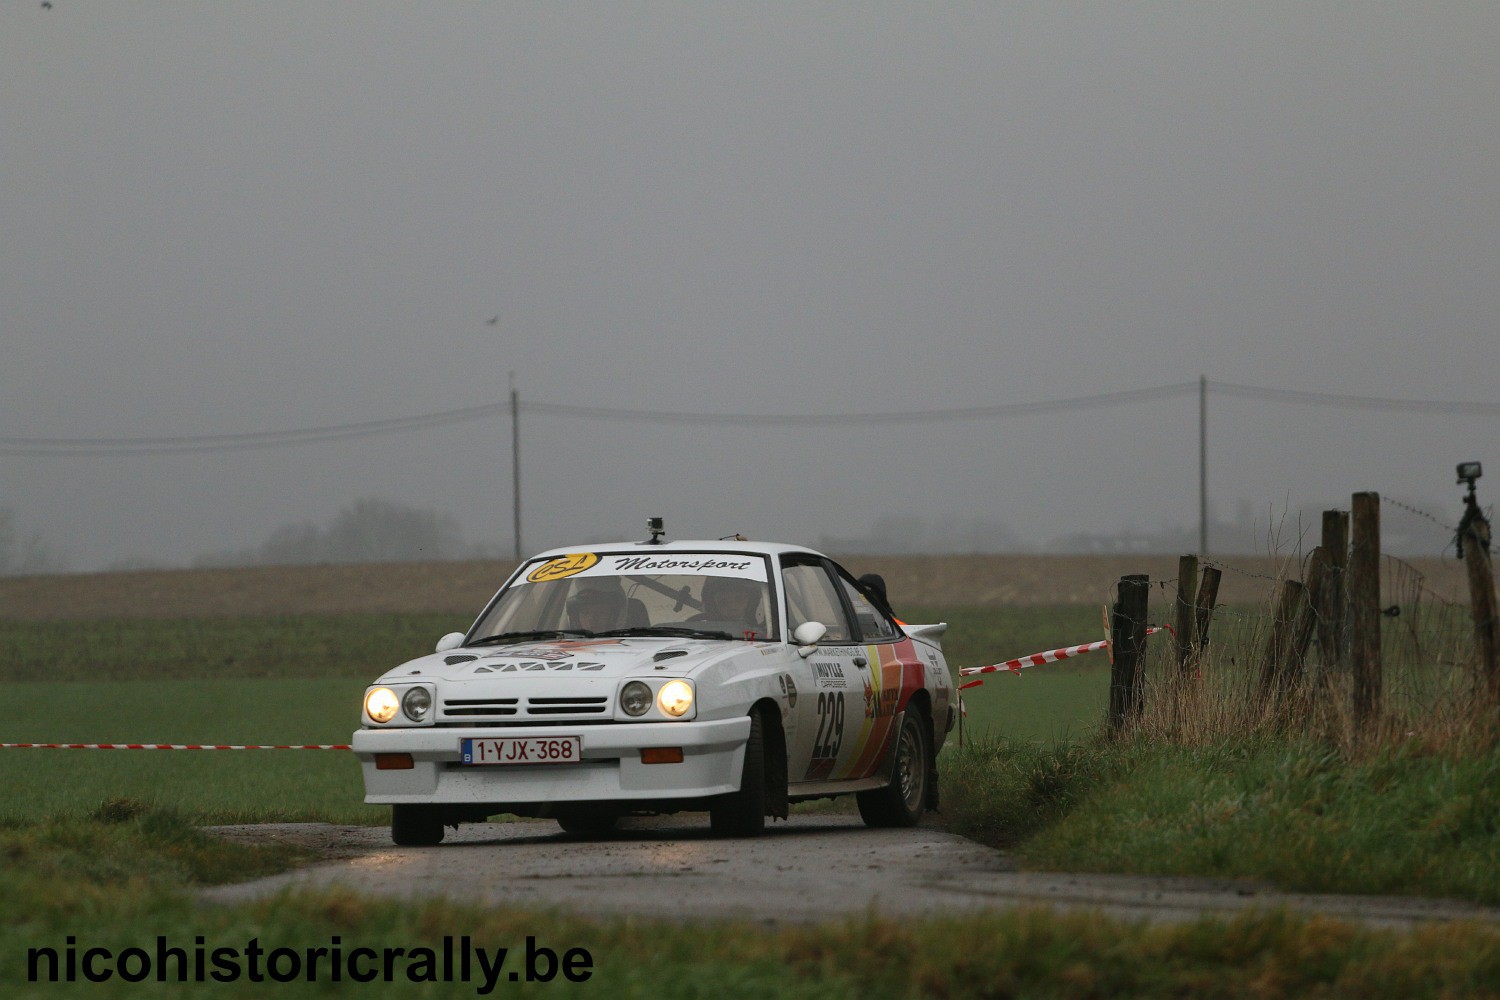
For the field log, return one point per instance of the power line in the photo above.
(836, 419)
(1363, 402)
(52, 447)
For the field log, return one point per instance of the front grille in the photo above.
(479, 706)
(563, 724)
(567, 706)
(544, 711)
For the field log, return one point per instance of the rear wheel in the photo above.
(743, 813)
(902, 802)
(416, 826)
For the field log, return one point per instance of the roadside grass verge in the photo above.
(1403, 820)
(124, 846)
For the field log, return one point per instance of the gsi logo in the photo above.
(562, 567)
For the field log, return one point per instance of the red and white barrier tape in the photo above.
(1037, 659)
(165, 746)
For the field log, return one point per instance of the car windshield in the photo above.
(677, 595)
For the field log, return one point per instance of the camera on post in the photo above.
(1473, 520)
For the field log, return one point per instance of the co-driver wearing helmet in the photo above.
(597, 604)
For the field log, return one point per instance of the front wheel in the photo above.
(743, 813)
(416, 826)
(902, 802)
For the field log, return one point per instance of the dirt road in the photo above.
(816, 867)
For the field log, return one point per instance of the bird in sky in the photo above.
(493, 321)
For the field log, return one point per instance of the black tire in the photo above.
(587, 824)
(743, 813)
(904, 800)
(416, 826)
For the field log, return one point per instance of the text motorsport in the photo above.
(455, 961)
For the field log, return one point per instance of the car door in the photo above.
(830, 683)
(891, 670)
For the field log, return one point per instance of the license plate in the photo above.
(523, 750)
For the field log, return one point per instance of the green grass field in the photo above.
(213, 786)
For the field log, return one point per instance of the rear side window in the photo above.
(874, 624)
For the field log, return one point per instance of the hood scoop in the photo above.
(668, 654)
(459, 658)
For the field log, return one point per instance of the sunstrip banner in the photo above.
(743, 566)
(1037, 659)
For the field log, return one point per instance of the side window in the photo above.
(873, 624)
(811, 597)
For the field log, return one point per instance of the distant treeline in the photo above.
(369, 530)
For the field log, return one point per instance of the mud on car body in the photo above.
(655, 677)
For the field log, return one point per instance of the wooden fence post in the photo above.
(1307, 611)
(1203, 606)
(1127, 632)
(1364, 607)
(1276, 661)
(1476, 544)
(1187, 619)
(1331, 599)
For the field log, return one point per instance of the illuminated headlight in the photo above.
(381, 704)
(416, 703)
(675, 698)
(635, 698)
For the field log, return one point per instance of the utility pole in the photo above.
(1202, 465)
(515, 463)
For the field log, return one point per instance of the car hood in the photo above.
(615, 657)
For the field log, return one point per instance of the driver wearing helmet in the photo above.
(597, 604)
(727, 599)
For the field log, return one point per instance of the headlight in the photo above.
(675, 698)
(635, 698)
(416, 704)
(381, 704)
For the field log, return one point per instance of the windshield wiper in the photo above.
(547, 633)
(675, 631)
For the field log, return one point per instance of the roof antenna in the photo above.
(655, 526)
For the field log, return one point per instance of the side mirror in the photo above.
(450, 641)
(806, 637)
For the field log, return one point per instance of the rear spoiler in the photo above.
(927, 633)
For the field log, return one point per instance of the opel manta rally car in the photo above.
(654, 677)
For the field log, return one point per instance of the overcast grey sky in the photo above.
(235, 217)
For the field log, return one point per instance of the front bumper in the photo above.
(610, 769)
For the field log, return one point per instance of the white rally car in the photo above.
(652, 677)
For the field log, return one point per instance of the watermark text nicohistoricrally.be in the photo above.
(453, 960)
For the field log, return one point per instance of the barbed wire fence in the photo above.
(1431, 679)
